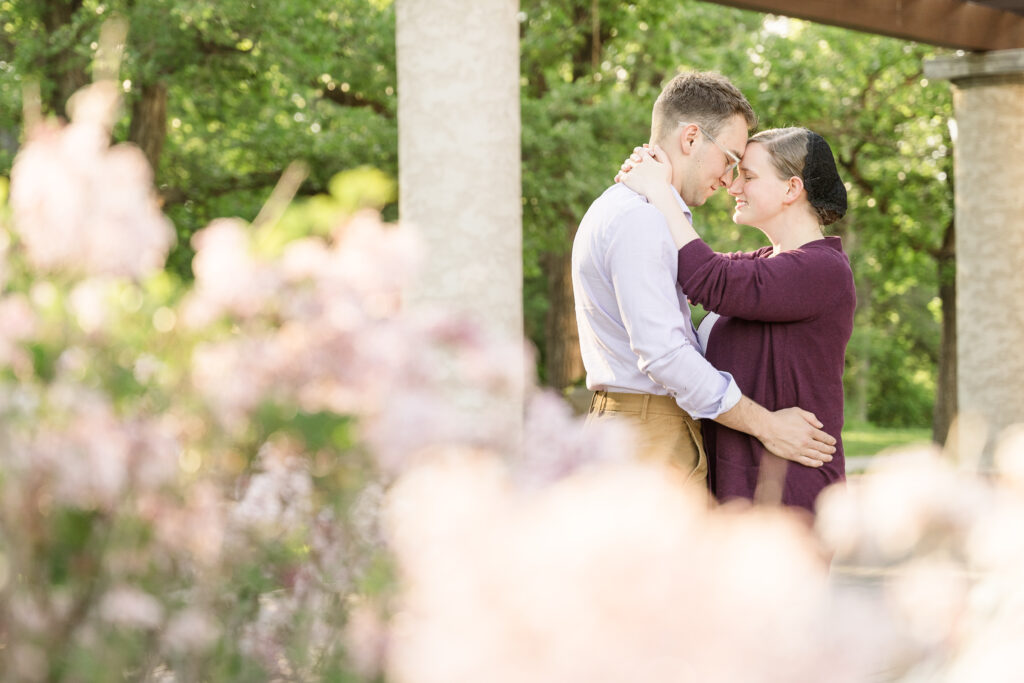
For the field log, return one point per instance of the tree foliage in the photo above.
(251, 87)
(591, 72)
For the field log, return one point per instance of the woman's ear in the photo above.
(794, 188)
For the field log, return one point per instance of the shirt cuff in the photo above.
(729, 399)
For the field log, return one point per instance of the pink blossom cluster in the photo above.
(81, 205)
(938, 544)
(323, 327)
(616, 572)
(312, 332)
(88, 456)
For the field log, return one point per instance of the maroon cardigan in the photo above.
(785, 324)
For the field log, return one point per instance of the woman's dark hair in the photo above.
(805, 154)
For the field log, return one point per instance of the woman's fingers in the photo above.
(636, 157)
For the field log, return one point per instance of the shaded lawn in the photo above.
(860, 438)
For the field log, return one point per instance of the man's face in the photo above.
(707, 166)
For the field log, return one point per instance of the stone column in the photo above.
(459, 163)
(988, 154)
(459, 152)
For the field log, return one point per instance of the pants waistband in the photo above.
(644, 404)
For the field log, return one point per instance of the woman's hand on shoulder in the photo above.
(646, 171)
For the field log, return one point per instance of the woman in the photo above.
(782, 315)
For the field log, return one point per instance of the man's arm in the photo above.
(640, 260)
(791, 433)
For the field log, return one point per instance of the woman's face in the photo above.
(759, 192)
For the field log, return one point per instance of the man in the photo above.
(639, 346)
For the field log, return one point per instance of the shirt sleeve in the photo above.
(640, 260)
(794, 285)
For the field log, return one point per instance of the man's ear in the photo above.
(687, 136)
(794, 187)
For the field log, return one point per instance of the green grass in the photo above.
(860, 438)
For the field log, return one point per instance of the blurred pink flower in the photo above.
(18, 323)
(455, 384)
(556, 444)
(194, 529)
(366, 638)
(229, 374)
(191, 630)
(278, 498)
(90, 302)
(263, 638)
(907, 501)
(614, 573)
(129, 606)
(82, 206)
(90, 456)
(228, 279)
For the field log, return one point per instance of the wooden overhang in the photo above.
(975, 26)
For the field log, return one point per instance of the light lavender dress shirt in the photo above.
(634, 321)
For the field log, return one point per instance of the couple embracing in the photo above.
(751, 403)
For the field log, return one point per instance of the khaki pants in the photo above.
(665, 433)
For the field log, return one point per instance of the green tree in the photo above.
(866, 94)
(221, 97)
(591, 71)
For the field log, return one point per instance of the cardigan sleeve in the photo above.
(794, 285)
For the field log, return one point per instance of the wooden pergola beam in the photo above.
(948, 23)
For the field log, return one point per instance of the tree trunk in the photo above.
(149, 122)
(67, 69)
(563, 363)
(946, 399)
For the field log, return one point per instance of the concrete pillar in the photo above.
(459, 176)
(459, 152)
(988, 153)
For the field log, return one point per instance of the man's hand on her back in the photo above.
(795, 434)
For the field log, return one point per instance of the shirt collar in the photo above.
(682, 204)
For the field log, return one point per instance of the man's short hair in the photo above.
(706, 98)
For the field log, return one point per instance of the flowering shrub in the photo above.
(184, 486)
(282, 472)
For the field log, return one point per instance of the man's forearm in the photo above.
(790, 433)
(747, 417)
